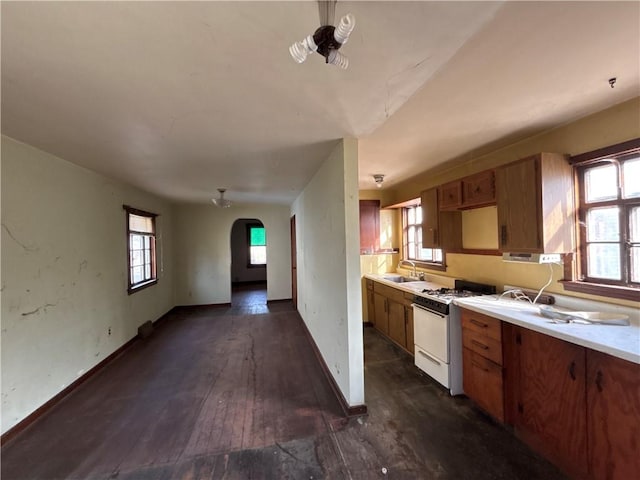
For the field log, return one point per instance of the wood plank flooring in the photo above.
(217, 393)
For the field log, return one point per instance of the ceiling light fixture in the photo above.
(379, 178)
(327, 39)
(221, 202)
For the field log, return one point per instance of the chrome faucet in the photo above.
(413, 264)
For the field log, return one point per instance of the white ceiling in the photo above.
(181, 98)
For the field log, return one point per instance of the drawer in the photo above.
(483, 383)
(488, 347)
(432, 366)
(391, 293)
(483, 324)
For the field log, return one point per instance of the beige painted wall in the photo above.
(328, 245)
(611, 126)
(202, 259)
(64, 274)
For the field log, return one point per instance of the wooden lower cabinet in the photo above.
(551, 408)
(393, 314)
(397, 323)
(380, 313)
(613, 417)
(371, 307)
(482, 372)
(482, 380)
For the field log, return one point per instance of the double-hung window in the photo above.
(257, 245)
(412, 239)
(609, 219)
(141, 248)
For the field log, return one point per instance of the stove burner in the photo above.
(450, 292)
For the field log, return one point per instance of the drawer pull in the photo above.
(479, 344)
(572, 370)
(429, 357)
(477, 365)
(599, 380)
(479, 323)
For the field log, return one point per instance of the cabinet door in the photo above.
(479, 189)
(369, 226)
(430, 215)
(551, 410)
(439, 229)
(450, 195)
(380, 312)
(613, 406)
(482, 382)
(518, 199)
(371, 307)
(409, 328)
(397, 331)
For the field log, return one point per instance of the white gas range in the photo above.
(437, 332)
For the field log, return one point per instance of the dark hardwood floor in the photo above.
(219, 393)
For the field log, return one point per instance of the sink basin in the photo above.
(400, 279)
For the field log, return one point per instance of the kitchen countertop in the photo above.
(411, 287)
(618, 341)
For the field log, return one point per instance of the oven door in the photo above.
(431, 344)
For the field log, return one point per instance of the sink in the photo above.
(400, 279)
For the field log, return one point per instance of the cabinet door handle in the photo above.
(599, 380)
(572, 370)
(479, 323)
(480, 344)
(477, 365)
(503, 235)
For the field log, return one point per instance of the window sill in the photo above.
(141, 286)
(429, 266)
(611, 291)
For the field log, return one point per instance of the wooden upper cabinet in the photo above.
(450, 195)
(369, 226)
(479, 190)
(474, 191)
(535, 205)
(440, 229)
(613, 417)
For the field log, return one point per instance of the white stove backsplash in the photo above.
(585, 305)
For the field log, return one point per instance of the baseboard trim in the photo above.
(53, 401)
(280, 300)
(349, 411)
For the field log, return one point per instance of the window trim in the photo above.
(574, 266)
(249, 227)
(133, 288)
(442, 267)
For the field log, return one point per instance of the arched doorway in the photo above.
(248, 263)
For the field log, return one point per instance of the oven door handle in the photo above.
(429, 357)
(428, 310)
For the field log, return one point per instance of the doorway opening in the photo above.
(248, 263)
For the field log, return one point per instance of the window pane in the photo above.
(634, 225)
(601, 183)
(603, 261)
(137, 274)
(257, 236)
(603, 225)
(631, 172)
(635, 264)
(258, 255)
(419, 215)
(140, 224)
(135, 242)
(136, 258)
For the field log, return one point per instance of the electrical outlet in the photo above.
(109, 331)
